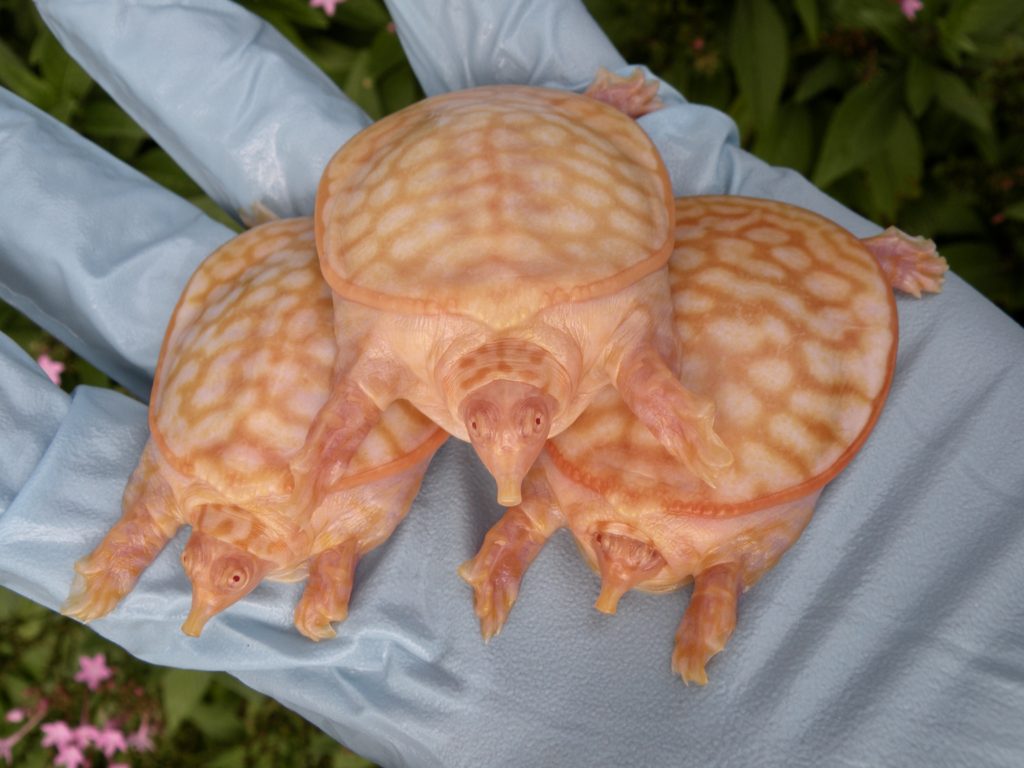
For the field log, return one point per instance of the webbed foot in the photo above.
(633, 96)
(911, 263)
(109, 572)
(497, 570)
(708, 623)
(328, 591)
(681, 421)
(97, 590)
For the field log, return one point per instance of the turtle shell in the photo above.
(493, 202)
(785, 320)
(246, 364)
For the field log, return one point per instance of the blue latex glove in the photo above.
(891, 634)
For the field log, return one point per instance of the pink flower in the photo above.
(698, 44)
(5, 750)
(391, 27)
(57, 734)
(15, 716)
(110, 740)
(52, 368)
(70, 756)
(327, 5)
(909, 8)
(85, 735)
(93, 670)
(140, 740)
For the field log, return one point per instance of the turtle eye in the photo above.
(481, 423)
(233, 575)
(532, 420)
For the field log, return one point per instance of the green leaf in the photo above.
(399, 89)
(89, 374)
(971, 22)
(16, 76)
(759, 52)
(943, 213)
(982, 265)
(70, 82)
(831, 72)
(162, 169)
(807, 10)
(360, 86)
(181, 690)
(859, 129)
(231, 758)
(103, 118)
(920, 85)
(346, 759)
(385, 53)
(1015, 211)
(37, 658)
(333, 57)
(217, 723)
(952, 93)
(237, 687)
(790, 141)
(362, 14)
(895, 174)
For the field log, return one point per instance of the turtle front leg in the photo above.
(911, 263)
(325, 599)
(681, 421)
(335, 435)
(497, 570)
(709, 621)
(150, 519)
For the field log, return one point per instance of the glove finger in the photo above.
(241, 110)
(90, 249)
(463, 43)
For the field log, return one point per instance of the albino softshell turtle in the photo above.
(790, 323)
(497, 257)
(246, 364)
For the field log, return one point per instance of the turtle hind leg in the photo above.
(709, 621)
(150, 519)
(911, 263)
(623, 562)
(633, 96)
(497, 570)
(681, 421)
(328, 591)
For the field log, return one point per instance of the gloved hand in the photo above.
(890, 634)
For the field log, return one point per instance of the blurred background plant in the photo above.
(909, 111)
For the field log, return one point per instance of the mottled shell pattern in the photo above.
(246, 365)
(788, 321)
(419, 214)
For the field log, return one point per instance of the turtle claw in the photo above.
(94, 595)
(313, 623)
(495, 575)
(911, 263)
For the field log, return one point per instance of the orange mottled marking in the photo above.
(493, 202)
(788, 323)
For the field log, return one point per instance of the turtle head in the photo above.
(508, 423)
(221, 574)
